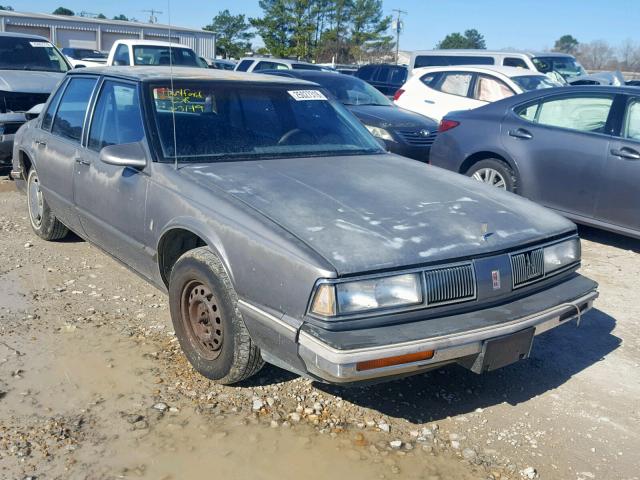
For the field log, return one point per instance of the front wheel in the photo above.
(43, 222)
(207, 321)
(494, 172)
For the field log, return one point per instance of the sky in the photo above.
(519, 24)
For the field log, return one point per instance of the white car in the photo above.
(436, 91)
(152, 52)
(256, 64)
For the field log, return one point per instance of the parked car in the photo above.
(403, 132)
(85, 57)
(557, 66)
(574, 150)
(256, 64)
(152, 52)
(221, 64)
(30, 68)
(386, 78)
(283, 232)
(436, 91)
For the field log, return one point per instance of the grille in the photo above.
(415, 137)
(450, 284)
(527, 266)
(20, 101)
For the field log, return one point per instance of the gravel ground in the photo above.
(93, 385)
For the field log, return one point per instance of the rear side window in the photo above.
(632, 121)
(70, 115)
(47, 120)
(305, 66)
(270, 66)
(491, 89)
(456, 83)
(430, 79)
(367, 73)
(398, 76)
(514, 62)
(449, 60)
(583, 113)
(116, 118)
(122, 55)
(244, 65)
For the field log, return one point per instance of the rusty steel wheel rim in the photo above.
(201, 319)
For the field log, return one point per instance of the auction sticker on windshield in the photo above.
(40, 44)
(306, 95)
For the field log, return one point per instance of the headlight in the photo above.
(364, 295)
(380, 133)
(561, 255)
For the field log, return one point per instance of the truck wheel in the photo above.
(207, 321)
(494, 172)
(43, 221)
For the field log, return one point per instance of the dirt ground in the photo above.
(93, 386)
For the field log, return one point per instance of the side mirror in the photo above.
(34, 111)
(125, 155)
(80, 66)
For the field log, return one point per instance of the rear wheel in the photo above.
(207, 321)
(43, 221)
(494, 172)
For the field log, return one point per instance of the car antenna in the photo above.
(172, 93)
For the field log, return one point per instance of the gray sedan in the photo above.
(576, 150)
(284, 233)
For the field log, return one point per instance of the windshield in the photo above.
(535, 82)
(221, 121)
(565, 66)
(17, 53)
(80, 53)
(159, 55)
(352, 91)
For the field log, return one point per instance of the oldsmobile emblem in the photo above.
(495, 278)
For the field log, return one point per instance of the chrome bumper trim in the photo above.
(340, 365)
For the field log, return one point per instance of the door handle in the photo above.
(40, 143)
(521, 133)
(625, 152)
(429, 101)
(81, 161)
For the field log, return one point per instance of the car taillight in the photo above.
(398, 94)
(446, 124)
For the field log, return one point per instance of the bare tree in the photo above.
(596, 55)
(629, 54)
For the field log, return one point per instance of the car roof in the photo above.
(158, 43)
(161, 73)
(286, 61)
(23, 35)
(507, 71)
(462, 51)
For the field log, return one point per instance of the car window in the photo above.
(491, 89)
(20, 53)
(456, 83)
(73, 107)
(47, 120)
(161, 55)
(116, 118)
(305, 66)
(122, 55)
(632, 121)
(514, 62)
(244, 65)
(382, 74)
(398, 76)
(449, 60)
(270, 66)
(430, 79)
(584, 113)
(367, 73)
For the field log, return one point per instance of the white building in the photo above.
(82, 32)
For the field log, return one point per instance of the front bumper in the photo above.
(333, 356)
(415, 152)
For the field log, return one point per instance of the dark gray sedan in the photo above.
(284, 233)
(575, 150)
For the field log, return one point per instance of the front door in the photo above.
(111, 200)
(619, 202)
(58, 146)
(560, 145)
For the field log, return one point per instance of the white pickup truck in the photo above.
(152, 52)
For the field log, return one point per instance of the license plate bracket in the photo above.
(502, 351)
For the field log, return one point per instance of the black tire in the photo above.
(506, 172)
(200, 287)
(44, 224)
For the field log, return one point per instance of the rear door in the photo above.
(619, 201)
(58, 146)
(560, 145)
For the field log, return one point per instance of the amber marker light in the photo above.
(398, 360)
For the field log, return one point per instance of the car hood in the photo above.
(391, 117)
(367, 213)
(29, 81)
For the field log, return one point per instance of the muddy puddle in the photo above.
(84, 401)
